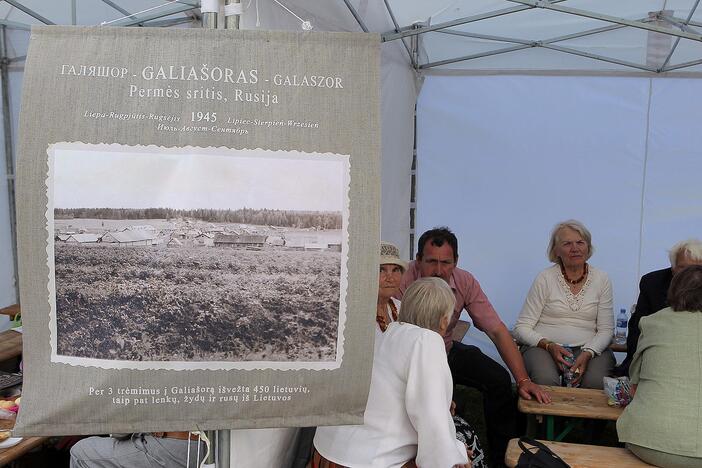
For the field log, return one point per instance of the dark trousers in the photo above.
(470, 367)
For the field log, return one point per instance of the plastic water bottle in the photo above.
(568, 375)
(620, 331)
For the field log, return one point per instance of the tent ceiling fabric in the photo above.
(95, 12)
(543, 35)
(572, 35)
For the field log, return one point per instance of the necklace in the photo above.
(382, 321)
(575, 281)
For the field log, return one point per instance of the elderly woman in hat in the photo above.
(391, 270)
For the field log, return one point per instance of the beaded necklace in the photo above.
(575, 281)
(382, 320)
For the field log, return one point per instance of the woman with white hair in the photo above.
(568, 305)
(407, 422)
(653, 293)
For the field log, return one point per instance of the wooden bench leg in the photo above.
(551, 428)
(569, 427)
(550, 423)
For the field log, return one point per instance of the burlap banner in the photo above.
(198, 219)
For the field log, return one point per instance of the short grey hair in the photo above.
(691, 248)
(426, 302)
(685, 293)
(576, 226)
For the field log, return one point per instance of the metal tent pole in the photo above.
(232, 11)
(209, 18)
(9, 153)
(220, 437)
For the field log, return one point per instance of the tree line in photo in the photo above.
(286, 218)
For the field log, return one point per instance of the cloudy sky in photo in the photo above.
(86, 176)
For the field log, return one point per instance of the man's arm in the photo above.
(505, 345)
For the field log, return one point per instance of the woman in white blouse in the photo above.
(569, 304)
(407, 418)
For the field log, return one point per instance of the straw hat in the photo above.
(390, 254)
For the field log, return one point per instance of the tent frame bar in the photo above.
(487, 37)
(677, 39)
(391, 36)
(15, 25)
(691, 63)
(616, 23)
(397, 29)
(29, 11)
(355, 14)
(545, 44)
(118, 8)
(610, 19)
(679, 22)
(136, 20)
(474, 56)
(565, 37)
(625, 63)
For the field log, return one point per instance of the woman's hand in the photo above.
(580, 366)
(452, 408)
(469, 464)
(559, 353)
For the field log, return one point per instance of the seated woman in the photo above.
(662, 425)
(407, 418)
(569, 304)
(390, 274)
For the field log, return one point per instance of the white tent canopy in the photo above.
(611, 90)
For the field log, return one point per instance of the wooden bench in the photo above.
(10, 454)
(582, 456)
(10, 344)
(573, 403)
(10, 310)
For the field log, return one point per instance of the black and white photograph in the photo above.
(197, 256)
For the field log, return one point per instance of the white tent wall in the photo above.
(672, 202)
(501, 159)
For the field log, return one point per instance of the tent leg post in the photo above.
(9, 154)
